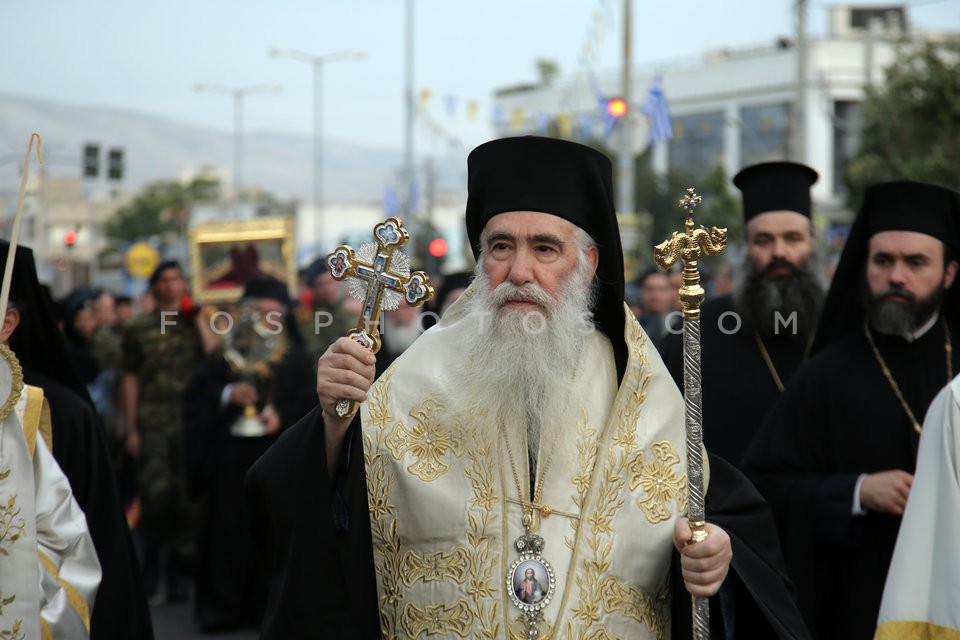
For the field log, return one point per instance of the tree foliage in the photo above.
(547, 71)
(911, 124)
(161, 208)
(660, 197)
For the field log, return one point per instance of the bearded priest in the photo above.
(520, 471)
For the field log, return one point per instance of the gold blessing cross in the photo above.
(379, 276)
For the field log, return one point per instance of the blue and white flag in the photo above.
(655, 108)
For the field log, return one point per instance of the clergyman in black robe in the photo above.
(752, 341)
(120, 610)
(230, 587)
(836, 455)
(315, 532)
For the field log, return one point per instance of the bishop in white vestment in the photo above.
(49, 571)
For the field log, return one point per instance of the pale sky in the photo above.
(147, 57)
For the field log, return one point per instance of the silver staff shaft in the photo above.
(686, 247)
(692, 395)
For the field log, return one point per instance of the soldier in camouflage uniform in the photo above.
(161, 350)
(325, 319)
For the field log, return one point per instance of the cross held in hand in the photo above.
(386, 271)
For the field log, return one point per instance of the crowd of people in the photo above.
(192, 463)
(164, 388)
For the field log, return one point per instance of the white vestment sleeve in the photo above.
(923, 586)
(69, 569)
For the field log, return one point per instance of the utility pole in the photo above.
(408, 169)
(800, 105)
(317, 62)
(238, 94)
(625, 155)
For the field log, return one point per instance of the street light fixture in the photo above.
(317, 62)
(238, 94)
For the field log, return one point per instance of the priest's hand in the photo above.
(886, 492)
(242, 394)
(344, 372)
(704, 564)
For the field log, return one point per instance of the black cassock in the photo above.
(738, 388)
(837, 419)
(322, 579)
(230, 588)
(120, 610)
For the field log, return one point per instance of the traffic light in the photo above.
(70, 238)
(438, 253)
(115, 164)
(617, 107)
(91, 160)
(438, 247)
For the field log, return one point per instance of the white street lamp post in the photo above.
(317, 62)
(238, 94)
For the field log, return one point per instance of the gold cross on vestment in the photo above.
(379, 276)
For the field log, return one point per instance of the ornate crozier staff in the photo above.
(687, 247)
(379, 276)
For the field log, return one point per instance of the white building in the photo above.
(740, 106)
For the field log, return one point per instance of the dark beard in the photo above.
(760, 296)
(897, 318)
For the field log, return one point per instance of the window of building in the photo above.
(697, 143)
(764, 134)
(846, 139)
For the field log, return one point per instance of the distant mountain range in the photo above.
(158, 148)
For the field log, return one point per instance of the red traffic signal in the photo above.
(617, 107)
(70, 238)
(438, 247)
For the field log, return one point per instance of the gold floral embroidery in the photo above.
(400, 567)
(482, 586)
(13, 633)
(651, 611)
(428, 441)
(11, 524)
(586, 459)
(383, 524)
(5, 601)
(659, 480)
(596, 595)
(430, 567)
(436, 620)
(599, 541)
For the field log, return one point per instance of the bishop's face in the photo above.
(904, 267)
(529, 247)
(778, 237)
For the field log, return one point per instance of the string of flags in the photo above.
(599, 122)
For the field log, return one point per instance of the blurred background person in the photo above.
(657, 295)
(398, 331)
(79, 328)
(755, 339)
(161, 350)
(120, 609)
(451, 288)
(262, 375)
(125, 310)
(325, 319)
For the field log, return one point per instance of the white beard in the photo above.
(396, 338)
(518, 364)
